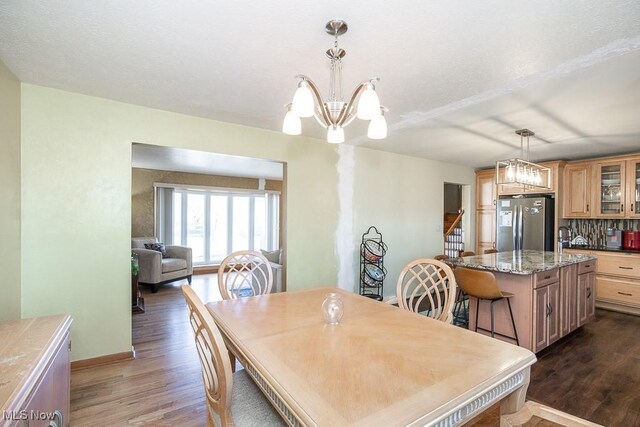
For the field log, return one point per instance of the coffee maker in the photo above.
(614, 238)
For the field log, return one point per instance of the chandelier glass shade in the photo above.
(518, 172)
(335, 113)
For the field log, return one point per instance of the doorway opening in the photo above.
(213, 204)
(455, 222)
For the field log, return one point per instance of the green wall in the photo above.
(9, 195)
(76, 204)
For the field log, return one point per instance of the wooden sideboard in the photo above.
(35, 372)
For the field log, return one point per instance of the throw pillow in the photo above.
(158, 247)
(272, 256)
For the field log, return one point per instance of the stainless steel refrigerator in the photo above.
(525, 223)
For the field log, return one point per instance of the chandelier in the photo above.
(523, 173)
(335, 114)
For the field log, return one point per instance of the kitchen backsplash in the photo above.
(595, 230)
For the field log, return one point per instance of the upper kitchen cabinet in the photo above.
(602, 188)
(633, 187)
(577, 191)
(610, 188)
(618, 188)
(486, 189)
(485, 210)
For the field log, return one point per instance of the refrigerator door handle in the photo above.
(521, 228)
(514, 228)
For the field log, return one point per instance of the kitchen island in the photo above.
(553, 294)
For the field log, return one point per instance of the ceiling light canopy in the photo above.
(522, 173)
(335, 114)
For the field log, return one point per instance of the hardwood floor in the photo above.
(593, 374)
(163, 385)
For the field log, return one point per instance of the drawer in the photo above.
(618, 291)
(619, 265)
(587, 266)
(545, 278)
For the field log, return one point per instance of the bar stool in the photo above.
(483, 285)
(490, 251)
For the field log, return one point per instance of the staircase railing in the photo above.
(455, 223)
(456, 242)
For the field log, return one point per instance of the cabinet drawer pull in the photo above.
(587, 207)
(587, 266)
(625, 294)
(625, 268)
(547, 277)
(588, 292)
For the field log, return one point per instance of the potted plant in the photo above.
(137, 302)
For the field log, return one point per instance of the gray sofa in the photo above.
(275, 261)
(155, 270)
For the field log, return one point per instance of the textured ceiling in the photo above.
(458, 76)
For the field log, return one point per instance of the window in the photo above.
(216, 222)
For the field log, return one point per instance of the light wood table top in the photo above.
(380, 366)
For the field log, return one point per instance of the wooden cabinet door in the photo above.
(540, 314)
(553, 313)
(51, 398)
(485, 230)
(586, 297)
(486, 189)
(590, 280)
(633, 188)
(576, 197)
(568, 294)
(610, 190)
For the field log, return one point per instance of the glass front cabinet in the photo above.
(618, 188)
(633, 188)
(610, 189)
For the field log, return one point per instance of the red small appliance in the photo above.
(631, 240)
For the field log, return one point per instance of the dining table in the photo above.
(380, 366)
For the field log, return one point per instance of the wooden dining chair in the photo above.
(483, 285)
(232, 399)
(490, 251)
(427, 286)
(441, 257)
(244, 273)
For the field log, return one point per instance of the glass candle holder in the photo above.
(332, 309)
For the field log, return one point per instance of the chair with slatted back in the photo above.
(483, 285)
(230, 398)
(244, 273)
(427, 286)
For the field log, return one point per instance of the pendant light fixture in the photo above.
(519, 172)
(335, 114)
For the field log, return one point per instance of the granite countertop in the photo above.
(522, 262)
(603, 249)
